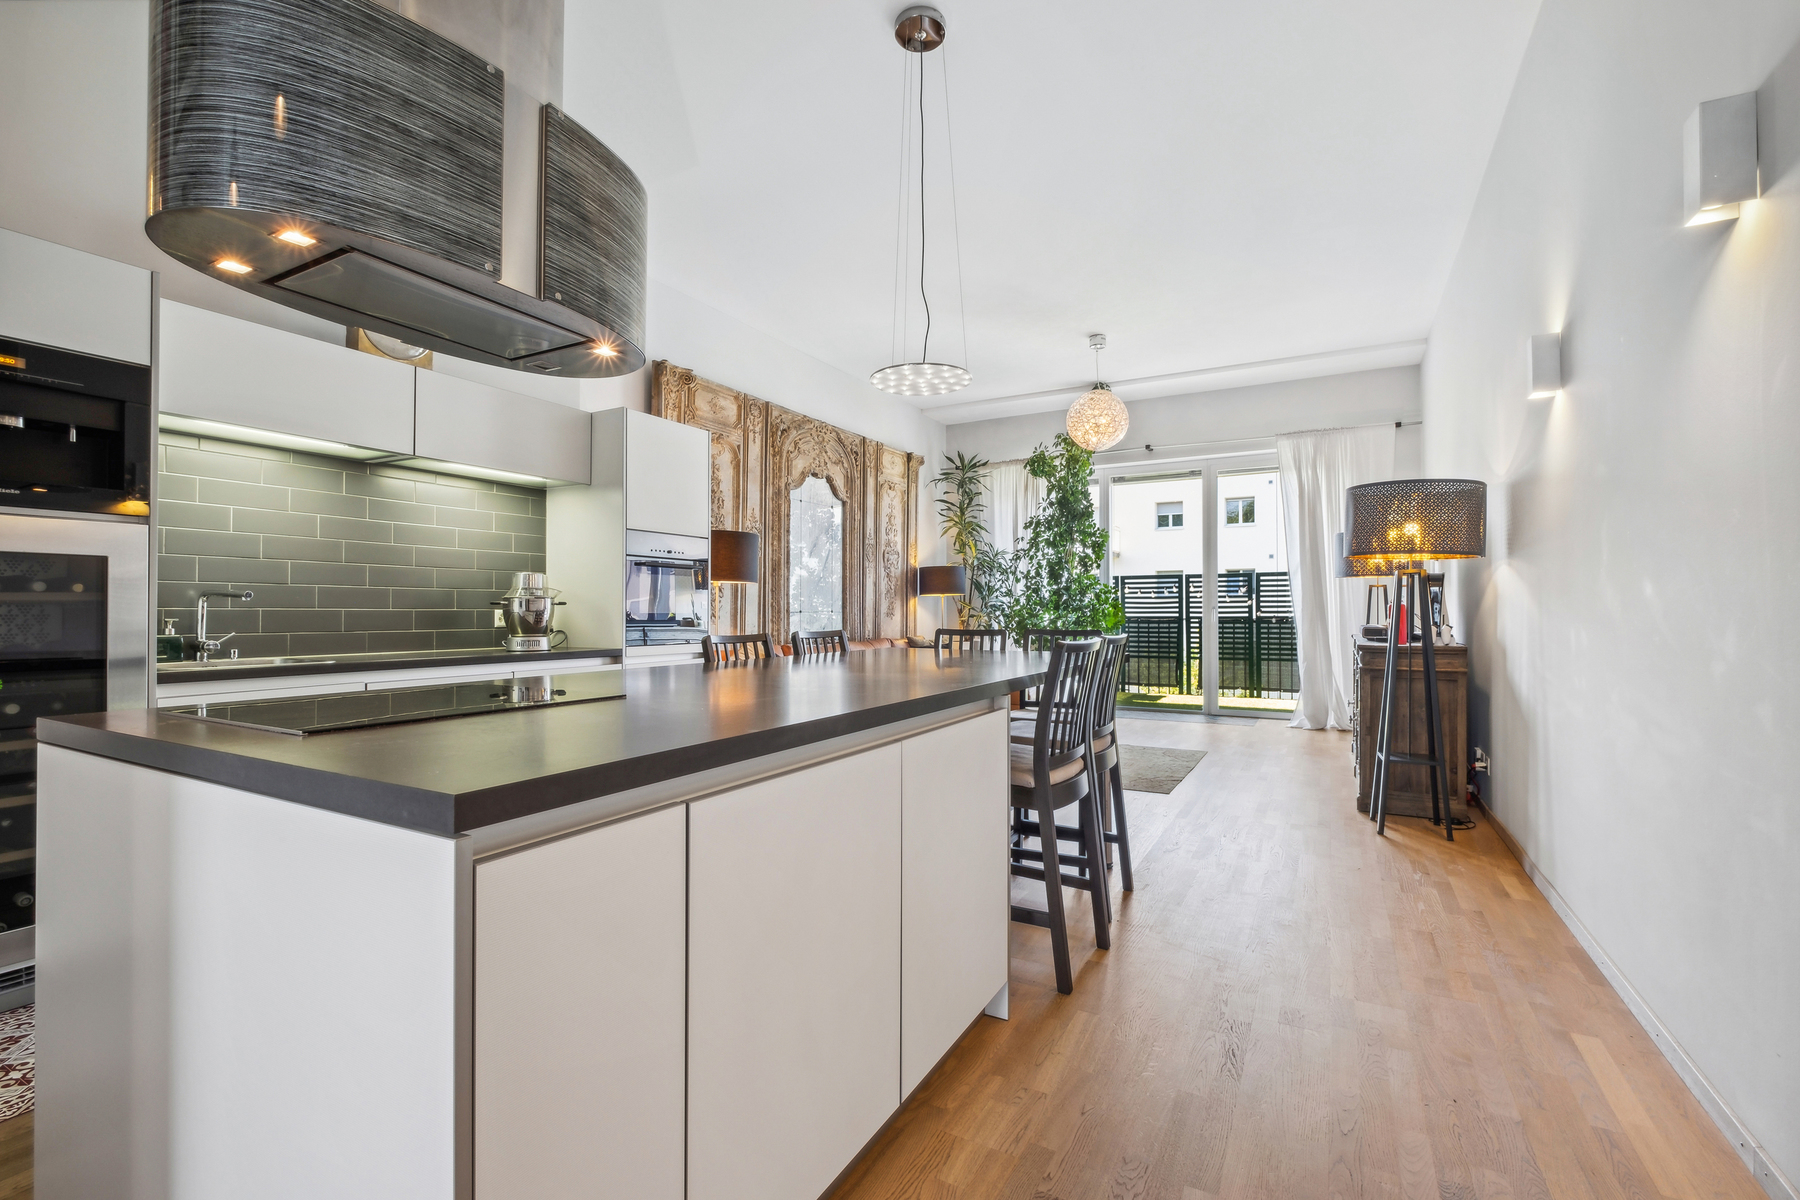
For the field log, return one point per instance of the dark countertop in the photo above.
(451, 776)
(332, 664)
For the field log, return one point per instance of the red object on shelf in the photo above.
(1405, 625)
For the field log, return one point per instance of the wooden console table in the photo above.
(1409, 793)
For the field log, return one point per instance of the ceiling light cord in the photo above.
(896, 334)
(925, 350)
(962, 304)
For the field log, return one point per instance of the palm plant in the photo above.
(962, 521)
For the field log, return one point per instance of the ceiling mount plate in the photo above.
(919, 28)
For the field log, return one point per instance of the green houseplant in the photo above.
(961, 520)
(1052, 581)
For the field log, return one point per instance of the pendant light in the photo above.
(1098, 420)
(920, 30)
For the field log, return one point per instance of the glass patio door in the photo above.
(1198, 558)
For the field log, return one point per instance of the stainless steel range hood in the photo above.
(338, 158)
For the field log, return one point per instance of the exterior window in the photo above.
(1168, 516)
(1240, 510)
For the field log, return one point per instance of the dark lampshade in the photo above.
(733, 556)
(1413, 519)
(943, 581)
(1345, 567)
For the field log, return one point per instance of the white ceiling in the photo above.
(1251, 190)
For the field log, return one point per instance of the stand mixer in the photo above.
(529, 610)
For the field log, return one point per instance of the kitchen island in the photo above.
(698, 942)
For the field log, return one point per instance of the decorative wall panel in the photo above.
(800, 446)
(336, 110)
(760, 454)
(594, 227)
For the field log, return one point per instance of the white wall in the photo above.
(1256, 413)
(1631, 629)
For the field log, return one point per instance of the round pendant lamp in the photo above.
(1098, 420)
(920, 30)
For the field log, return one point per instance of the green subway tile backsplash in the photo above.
(344, 557)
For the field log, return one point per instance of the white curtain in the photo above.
(1316, 469)
(1012, 497)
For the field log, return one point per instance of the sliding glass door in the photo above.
(1198, 556)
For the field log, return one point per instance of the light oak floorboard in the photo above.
(1294, 1007)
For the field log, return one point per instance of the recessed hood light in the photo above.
(294, 237)
(232, 265)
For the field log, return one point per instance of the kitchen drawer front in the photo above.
(460, 421)
(220, 368)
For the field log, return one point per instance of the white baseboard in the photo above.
(1770, 1176)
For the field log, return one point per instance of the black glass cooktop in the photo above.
(302, 715)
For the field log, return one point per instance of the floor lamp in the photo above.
(1407, 522)
(734, 558)
(940, 582)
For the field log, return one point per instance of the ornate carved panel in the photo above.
(800, 446)
(761, 452)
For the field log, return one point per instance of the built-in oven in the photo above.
(76, 431)
(665, 588)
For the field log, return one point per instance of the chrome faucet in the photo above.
(203, 645)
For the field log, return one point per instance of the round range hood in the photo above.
(335, 157)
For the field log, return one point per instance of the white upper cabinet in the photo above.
(461, 421)
(72, 300)
(668, 476)
(224, 369)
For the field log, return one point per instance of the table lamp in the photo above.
(1403, 523)
(952, 580)
(734, 558)
(1345, 567)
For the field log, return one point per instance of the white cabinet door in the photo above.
(220, 368)
(73, 300)
(793, 970)
(954, 886)
(579, 1017)
(461, 421)
(668, 476)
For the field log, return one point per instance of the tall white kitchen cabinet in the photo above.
(668, 475)
(72, 300)
(954, 883)
(793, 977)
(580, 988)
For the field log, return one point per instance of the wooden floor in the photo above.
(1294, 1007)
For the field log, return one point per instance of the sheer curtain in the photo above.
(1012, 496)
(1316, 469)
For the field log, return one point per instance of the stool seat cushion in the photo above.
(1022, 774)
(1026, 738)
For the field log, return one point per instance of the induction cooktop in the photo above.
(303, 715)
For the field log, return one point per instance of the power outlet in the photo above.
(499, 619)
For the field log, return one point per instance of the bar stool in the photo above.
(819, 641)
(955, 641)
(723, 648)
(1045, 640)
(1109, 787)
(1055, 771)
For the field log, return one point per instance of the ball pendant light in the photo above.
(1098, 420)
(920, 30)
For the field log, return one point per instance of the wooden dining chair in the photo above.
(962, 641)
(1055, 772)
(723, 649)
(819, 641)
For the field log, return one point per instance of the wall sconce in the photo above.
(1719, 159)
(1544, 365)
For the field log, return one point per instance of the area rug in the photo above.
(18, 1048)
(1156, 768)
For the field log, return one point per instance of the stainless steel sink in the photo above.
(219, 663)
